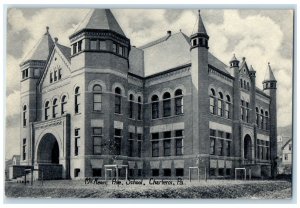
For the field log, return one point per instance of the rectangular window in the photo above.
(139, 172)
(290, 147)
(155, 110)
(77, 141)
(36, 73)
(167, 172)
(24, 149)
(167, 108)
(130, 148)
(118, 104)
(114, 48)
(139, 111)
(179, 142)
(221, 171)
(97, 172)
(155, 172)
(179, 172)
(118, 137)
(139, 142)
(212, 105)
(179, 105)
(220, 112)
(167, 147)
(227, 110)
(97, 139)
(228, 171)
(228, 148)
(79, 45)
(120, 50)
(74, 48)
(212, 171)
(93, 44)
(220, 147)
(102, 45)
(212, 146)
(97, 101)
(155, 149)
(130, 109)
(286, 156)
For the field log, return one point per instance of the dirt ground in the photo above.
(212, 189)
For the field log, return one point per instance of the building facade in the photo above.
(160, 108)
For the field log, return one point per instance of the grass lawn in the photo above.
(218, 189)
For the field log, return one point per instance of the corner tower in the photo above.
(200, 101)
(99, 41)
(32, 68)
(270, 87)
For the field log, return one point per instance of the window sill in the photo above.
(76, 114)
(174, 116)
(229, 119)
(119, 114)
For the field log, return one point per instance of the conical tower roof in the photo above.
(269, 76)
(41, 51)
(100, 19)
(233, 58)
(201, 27)
(251, 68)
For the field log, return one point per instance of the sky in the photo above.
(261, 36)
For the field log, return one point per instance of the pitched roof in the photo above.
(100, 19)
(269, 76)
(175, 51)
(66, 51)
(42, 50)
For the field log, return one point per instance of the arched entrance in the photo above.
(48, 150)
(247, 148)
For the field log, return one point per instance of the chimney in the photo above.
(56, 39)
(169, 32)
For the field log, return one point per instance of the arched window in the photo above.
(262, 119)
(139, 108)
(131, 104)
(212, 101)
(220, 104)
(54, 109)
(118, 100)
(63, 105)
(267, 120)
(24, 115)
(47, 107)
(178, 102)
(77, 100)
(227, 106)
(155, 107)
(245, 87)
(97, 98)
(166, 104)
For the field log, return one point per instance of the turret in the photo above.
(270, 88)
(199, 71)
(99, 42)
(32, 67)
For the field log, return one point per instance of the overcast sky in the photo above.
(261, 36)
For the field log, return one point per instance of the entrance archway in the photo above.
(247, 148)
(48, 150)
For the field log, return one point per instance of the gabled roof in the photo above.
(269, 76)
(100, 19)
(42, 50)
